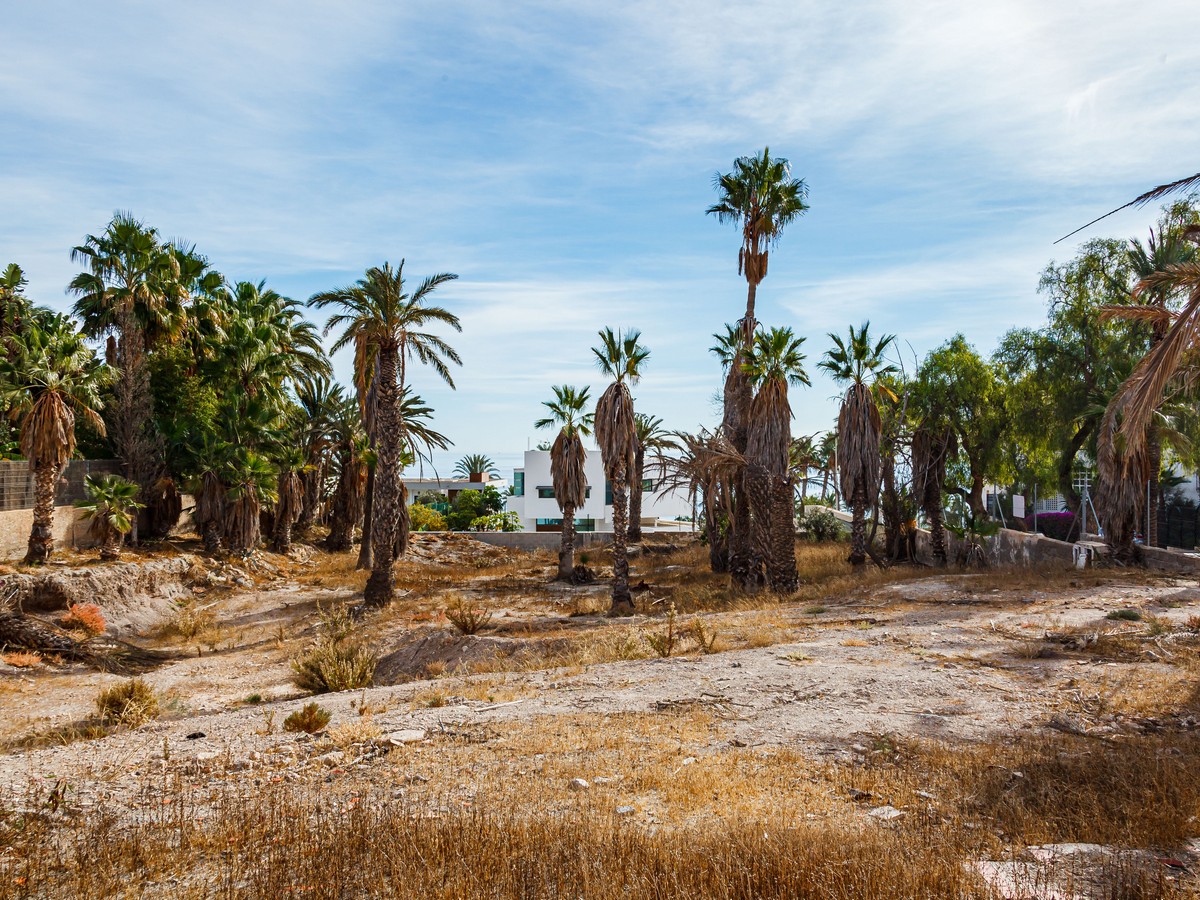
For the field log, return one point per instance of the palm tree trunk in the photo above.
(365, 552)
(758, 494)
(566, 547)
(718, 540)
(937, 531)
(110, 548)
(385, 518)
(41, 535)
(281, 541)
(858, 527)
(210, 531)
(635, 497)
(622, 600)
(782, 559)
(311, 480)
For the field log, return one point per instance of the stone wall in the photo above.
(15, 524)
(538, 540)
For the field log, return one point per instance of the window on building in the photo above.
(518, 484)
(607, 492)
(545, 493)
(647, 485)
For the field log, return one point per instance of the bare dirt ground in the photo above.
(550, 690)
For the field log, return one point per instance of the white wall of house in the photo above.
(538, 502)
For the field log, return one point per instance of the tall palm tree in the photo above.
(320, 401)
(652, 437)
(289, 496)
(130, 289)
(620, 357)
(803, 457)
(704, 467)
(760, 196)
(351, 449)
(51, 377)
(252, 481)
(567, 459)
(774, 362)
(475, 464)
(858, 363)
(828, 456)
(383, 318)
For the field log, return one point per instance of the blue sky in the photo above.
(559, 158)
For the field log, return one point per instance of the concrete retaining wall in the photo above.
(1019, 548)
(15, 524)
(538, 540)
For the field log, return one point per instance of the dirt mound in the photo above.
(132, 595)
(431, 651)
(454, 549)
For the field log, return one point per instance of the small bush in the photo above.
(425, 518)
(822, 526)
(253, 699)
(467, 618)
(705, 637)
(664, 644)
(333, 666)
(187, 623)
(311, 719)
(356, 731)
(129, 703)
(1125, 615)
(85, 617)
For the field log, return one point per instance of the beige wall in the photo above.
(16, 523)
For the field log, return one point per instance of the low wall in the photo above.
(539, 540)
(15, 524)
(1020, 548)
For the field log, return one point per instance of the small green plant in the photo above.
(1125, 615)
(466, 617)
(664, 644)
(129, 703)
(815, 610)
(310, 719)
(253, 699)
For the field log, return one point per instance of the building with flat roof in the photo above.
(534, 501)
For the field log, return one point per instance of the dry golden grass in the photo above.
(733, 823)
(22, 659)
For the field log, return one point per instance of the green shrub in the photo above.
(822, 526)
(507, 521)
(425, 518)
(1125, 615)
(129, 703)
(310, 719)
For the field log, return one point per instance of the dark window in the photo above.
(546, 493)
(518, 484)
(607, 492)
(647, 485)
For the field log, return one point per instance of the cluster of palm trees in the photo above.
(222, 389)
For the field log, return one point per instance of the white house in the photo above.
(533, 498)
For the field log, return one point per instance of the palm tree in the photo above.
(320, 402)
(1153, 306)
(567, 459)
(652, 437)
(252, 480)
(131, 289)
(760, 196)
(289, 496)
(858, 363)
(620, 357)
(350, 446)
(828, 456)
(51, 377)
(111, 505)
(803, 457)
(774, 362)
(704, 467)
(475, 464)
(381, 317)
(207, 461)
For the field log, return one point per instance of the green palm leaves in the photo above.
(111, 506)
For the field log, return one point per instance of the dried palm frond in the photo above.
(616, 429)
(859, 426)
(567, 460)
(1150, 196)
(770, 434)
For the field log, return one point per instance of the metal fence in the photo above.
(1178, 526)
(16, 481)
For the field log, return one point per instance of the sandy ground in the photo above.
(948, 657)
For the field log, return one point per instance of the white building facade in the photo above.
(533, 498)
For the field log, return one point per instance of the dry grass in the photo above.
(22, 659)
(734, 823)
(84, 617)
(190, 622)
(129, 703)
